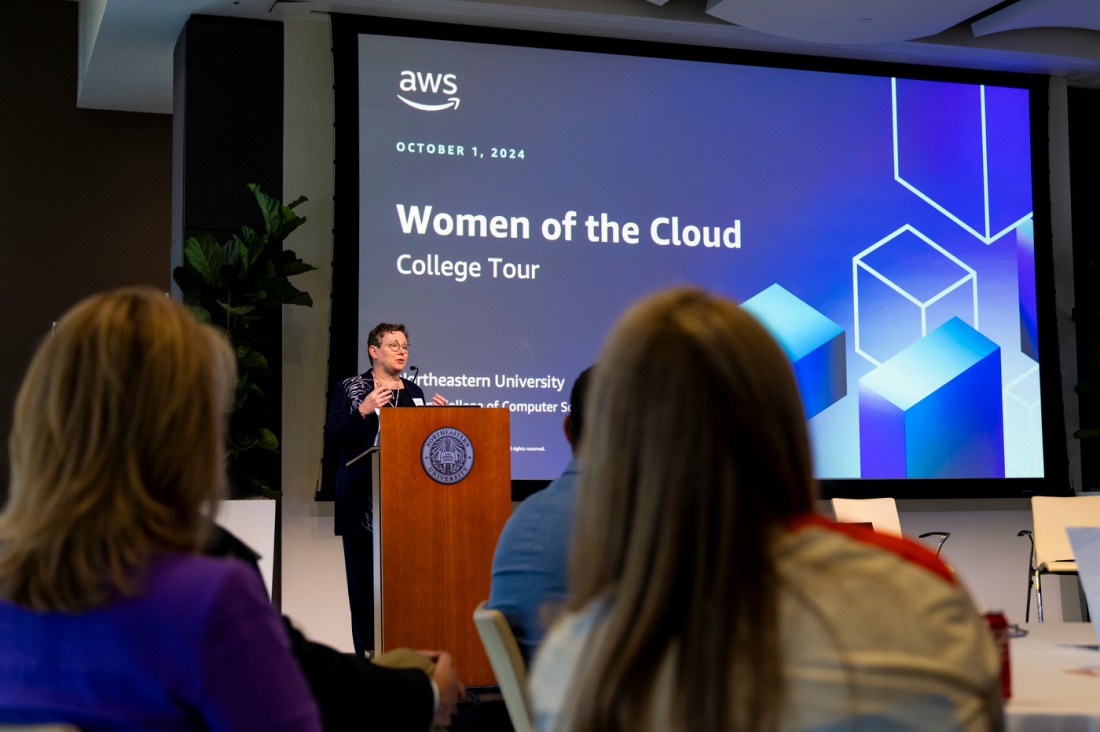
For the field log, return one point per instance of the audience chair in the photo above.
(881, 513)
(1050, 549)
(507, 662)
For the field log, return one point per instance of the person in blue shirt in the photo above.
(529, 566)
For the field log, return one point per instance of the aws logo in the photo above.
(416, 82)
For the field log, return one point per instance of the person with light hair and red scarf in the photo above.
(705, 593)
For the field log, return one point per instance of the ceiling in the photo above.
(126, 45)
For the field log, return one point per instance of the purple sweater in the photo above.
(200, 649)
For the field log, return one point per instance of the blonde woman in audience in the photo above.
(108, 618)
(705, 593)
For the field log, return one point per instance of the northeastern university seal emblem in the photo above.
(447, 455)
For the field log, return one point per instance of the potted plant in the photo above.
(240, 286)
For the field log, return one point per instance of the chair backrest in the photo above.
(507, 662)
(1050, 515)
(881, 513)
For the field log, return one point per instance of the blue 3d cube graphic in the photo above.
(935, 409)
(813, 342)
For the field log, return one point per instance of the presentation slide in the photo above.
(513, 201)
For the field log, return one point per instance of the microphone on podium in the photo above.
(415, 372)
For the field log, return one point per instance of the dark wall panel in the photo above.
(227, 133)
(228, 110)
(1084, 121)
(85, 195)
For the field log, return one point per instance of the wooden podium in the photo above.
(442, 493)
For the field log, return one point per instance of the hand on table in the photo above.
(450, 688)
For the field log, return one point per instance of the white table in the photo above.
(1055, 680)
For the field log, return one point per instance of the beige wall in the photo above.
(313, 589)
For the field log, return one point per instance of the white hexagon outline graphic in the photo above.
(986, 237)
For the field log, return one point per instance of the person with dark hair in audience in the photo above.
(110, 619)
(529, 565)
(352, 428)
(705, 593)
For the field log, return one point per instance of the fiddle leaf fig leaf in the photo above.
(267, 441)
(284, 293)
(296, 267)
(250, 358)
(269, 207)
(240, 310)
(205, 255)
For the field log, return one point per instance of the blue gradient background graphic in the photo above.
(807, 161)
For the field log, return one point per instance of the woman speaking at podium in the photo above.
(352, 428)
